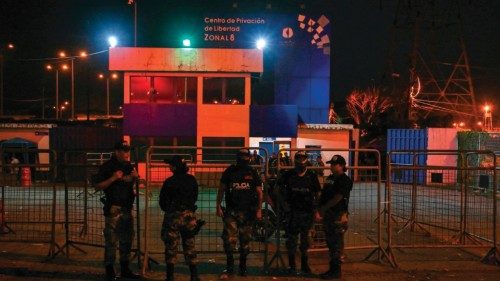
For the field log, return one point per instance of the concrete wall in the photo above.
(326, 139)
(186, 59)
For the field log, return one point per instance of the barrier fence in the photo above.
(28, 197)
(205, 164)
(84, 221)
(431, 199)
(447, 205)
(83, 204)
(365, 227)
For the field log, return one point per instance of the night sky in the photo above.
(361, 32)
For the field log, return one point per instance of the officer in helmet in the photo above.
(177, 199)
(241, 187)
(299, 190)
(116, 178)
(333, 209)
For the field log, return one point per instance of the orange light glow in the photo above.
(83, 54)
(101, 76)
(114, 75)
(62, 54)
(10, 46)
(487, 108)
(48, 67)
(480, 123)
(462, 124)
(65, 67)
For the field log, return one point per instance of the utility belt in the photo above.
(249, 214)
(181, 209)
(116, 207)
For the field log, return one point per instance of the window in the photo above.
(223, 90)
(221, 155)
(143, 143)
(162, 89)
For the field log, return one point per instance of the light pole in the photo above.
(102, 76)
(488, 118)
(9, 46)
(49, 68)
(82, 54)
(134, 2)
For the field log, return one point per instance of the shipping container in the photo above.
(424, 139)
(442, 139)
(407, 139)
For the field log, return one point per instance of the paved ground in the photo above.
(26, 262)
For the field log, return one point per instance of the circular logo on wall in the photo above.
(287, 32)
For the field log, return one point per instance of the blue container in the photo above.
(407, 139)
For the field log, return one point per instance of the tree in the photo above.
(366, 106)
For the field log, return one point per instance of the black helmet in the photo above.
(243, 157)
(243, 153)
(300, 157)
(177, 163)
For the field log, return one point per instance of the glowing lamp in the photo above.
(112, 41)
(261, 44)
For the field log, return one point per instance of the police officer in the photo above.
(177, 199)
(116, 177)
(300, 189)
(241, 186)
(333, 209)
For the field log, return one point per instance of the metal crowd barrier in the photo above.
(208, 177)
(449, 205)
(83, 208)
(365, 226)
(28, 202)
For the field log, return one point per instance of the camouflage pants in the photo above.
(299, 224)
(118, 229)
(177, 226)
(237, 226)
(335, 225)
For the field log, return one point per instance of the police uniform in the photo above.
(299, 193)
(178, 197)
(118, 203)
(335, 220)
(240, 183)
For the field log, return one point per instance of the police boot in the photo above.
(126, 272)
(194, 272)
(334, 272)
(304, 264)
(292, 267)
(170, 272)
(229, 267)
(243, 265)
(110, 273)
